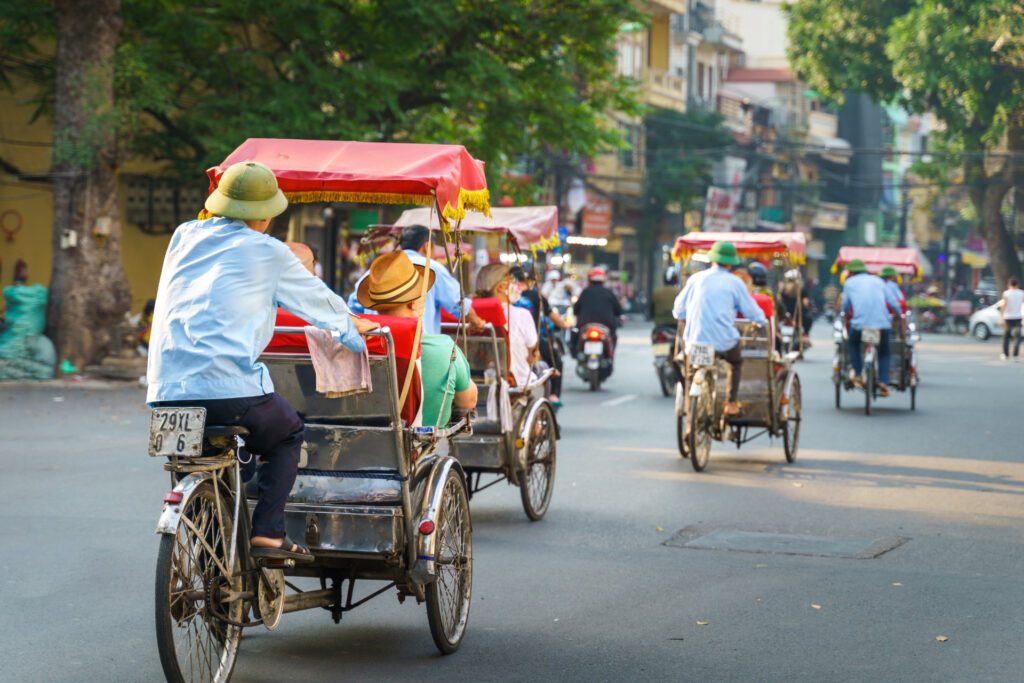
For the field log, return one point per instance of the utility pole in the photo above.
(904, 208)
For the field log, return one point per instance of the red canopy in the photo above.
(904, 259)
(788, 246)
(369, 172)
(533, 227)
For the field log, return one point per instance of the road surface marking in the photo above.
(619, 401)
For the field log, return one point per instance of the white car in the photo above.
(985, 322)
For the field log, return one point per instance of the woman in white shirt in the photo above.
(495, 280)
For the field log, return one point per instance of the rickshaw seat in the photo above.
(403, 331)
(222, 431)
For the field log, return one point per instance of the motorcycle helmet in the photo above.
(597, 275)
(758, 274)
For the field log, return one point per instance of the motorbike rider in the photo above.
(793, 299)
(708, 306)
(759, 278)
(598, 304)
(221, 281)
(870, 304)
(663, 297)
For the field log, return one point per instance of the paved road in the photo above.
(593, 592)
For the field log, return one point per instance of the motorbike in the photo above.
(663, 338)
(594, 354)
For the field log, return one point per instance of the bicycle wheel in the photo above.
(700, 411)
(537, 480)
(448, 597)
(791, 429)
(191, 576)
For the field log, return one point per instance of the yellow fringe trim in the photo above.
(309, 197)
(477, 200)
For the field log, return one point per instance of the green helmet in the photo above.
(247, 191)
(856, 266)
(724, 253)
(889, 271)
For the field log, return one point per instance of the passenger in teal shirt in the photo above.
(394, 286)
(444, 378)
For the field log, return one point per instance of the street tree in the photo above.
(679, 152)
(955, 58)
(192, 80)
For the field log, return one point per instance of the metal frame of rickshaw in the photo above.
(512, 455)
(775, 410)
(389, 528)
(905, 337)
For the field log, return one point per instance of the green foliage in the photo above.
(504, 78)
(931, 55)
(679, 153)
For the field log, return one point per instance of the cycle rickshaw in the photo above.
(770, 386)
(515, 432)
(903, 340)
(374, 499)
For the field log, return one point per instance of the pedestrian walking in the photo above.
(1011, 304)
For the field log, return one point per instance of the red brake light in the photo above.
(173, 497)
(426, 527)
(593, 334)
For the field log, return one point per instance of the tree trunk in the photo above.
(88, 290)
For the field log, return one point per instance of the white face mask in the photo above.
(513, 292)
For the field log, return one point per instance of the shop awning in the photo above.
(369, 172)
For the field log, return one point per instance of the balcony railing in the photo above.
(665, 85)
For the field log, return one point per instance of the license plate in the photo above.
(701, 355)
(177, 431)
(871, 335)
(593, 347)
(660, 349)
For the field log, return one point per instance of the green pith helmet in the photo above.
(247, 191)
(856, 266)
(724, 253)
(889, 271)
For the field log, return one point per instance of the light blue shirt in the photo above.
(868, 295)
(219, 291)
(443, 295)
(895, 289)
(709, 303)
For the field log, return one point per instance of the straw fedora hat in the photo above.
(247, 191)
(392, 280)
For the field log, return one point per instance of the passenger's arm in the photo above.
(306, 295)
(895, 305)
(465, 389)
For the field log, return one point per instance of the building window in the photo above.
(631, 56)
(629, 158)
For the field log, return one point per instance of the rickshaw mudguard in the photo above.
(171, 514)
(424, 568)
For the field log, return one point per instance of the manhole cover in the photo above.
(786, 544)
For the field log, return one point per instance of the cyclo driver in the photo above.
(869, 304)
(708, 305)
(221, 281)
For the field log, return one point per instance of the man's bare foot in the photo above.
(732, 408)
(883, 390)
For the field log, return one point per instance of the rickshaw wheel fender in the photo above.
(171, 514)
(526, 430)
(423, 570)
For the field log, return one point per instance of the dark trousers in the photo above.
(275, 434)
(884, 356)
(551, 352)
(1012, 327)
(734, 358)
